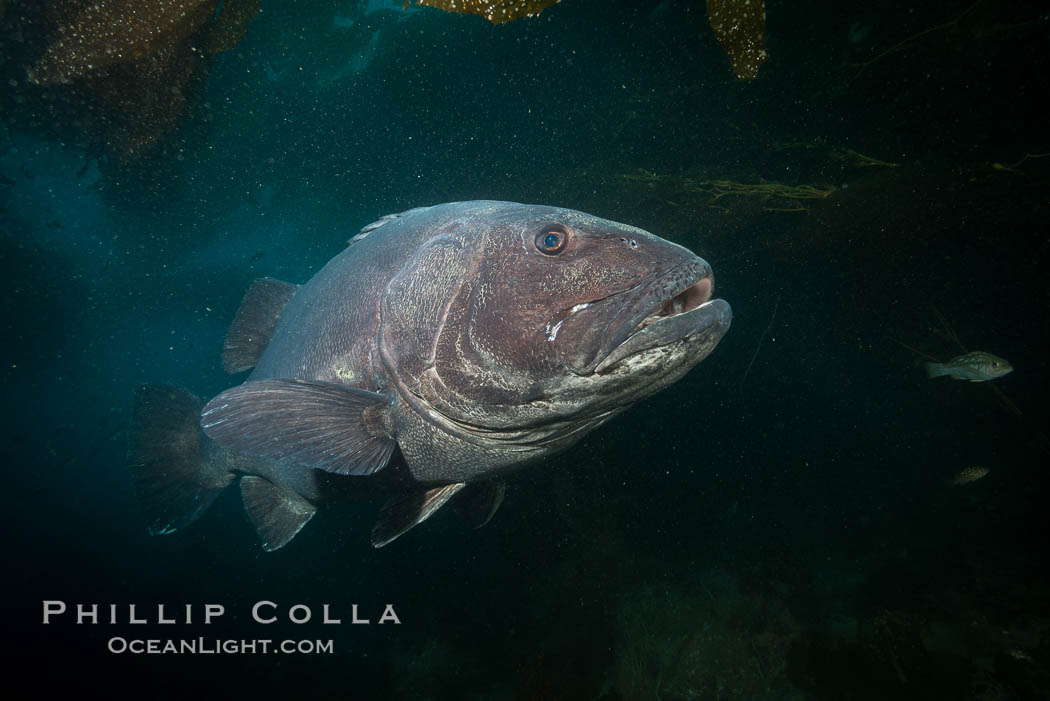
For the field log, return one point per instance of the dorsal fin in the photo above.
(254, 324)
(383, 220)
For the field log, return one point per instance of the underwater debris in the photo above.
(758, 346)
(1015, 167)
(901, 45)
(740, 27)
(861, 160)
(495, 11)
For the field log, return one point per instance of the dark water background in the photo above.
(777, 525)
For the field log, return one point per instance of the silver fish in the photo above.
(977, 366)
(969, 475)
(446, 347)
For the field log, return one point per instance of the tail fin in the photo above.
(167, 459)
(935, 370)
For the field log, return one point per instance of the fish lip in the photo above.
(656, 312)
(702, 326)
(690, 312)
(689, 298)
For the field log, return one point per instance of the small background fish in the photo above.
(969, 475)
(977, 366)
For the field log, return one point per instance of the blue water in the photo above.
(777, 525)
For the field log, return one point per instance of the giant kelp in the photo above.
(740, 27)
(93, 37)
(495, 11)
(135, 61)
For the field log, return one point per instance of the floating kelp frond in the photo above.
(495, 11)
(774, 197)
(720, 188)
(740, 27)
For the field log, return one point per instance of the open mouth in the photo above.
(675, 307)
(692, 297)
(690, 317)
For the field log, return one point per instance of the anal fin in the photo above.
(278, 515)
(255, 322)
(402, 512)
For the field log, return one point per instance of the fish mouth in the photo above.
(677, 306)
(690, 317)
(692, 297)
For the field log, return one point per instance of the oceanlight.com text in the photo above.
(217, 646)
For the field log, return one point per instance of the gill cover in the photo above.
(418, 304)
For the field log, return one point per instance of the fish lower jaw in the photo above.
(668, 313)
(700, 326)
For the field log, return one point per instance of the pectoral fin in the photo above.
(324, 425)
(400, 513)
(277, 514)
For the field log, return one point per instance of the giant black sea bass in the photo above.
(445, 348)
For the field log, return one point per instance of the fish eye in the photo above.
(551, 240)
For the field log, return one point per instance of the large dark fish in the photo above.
(445, 348)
